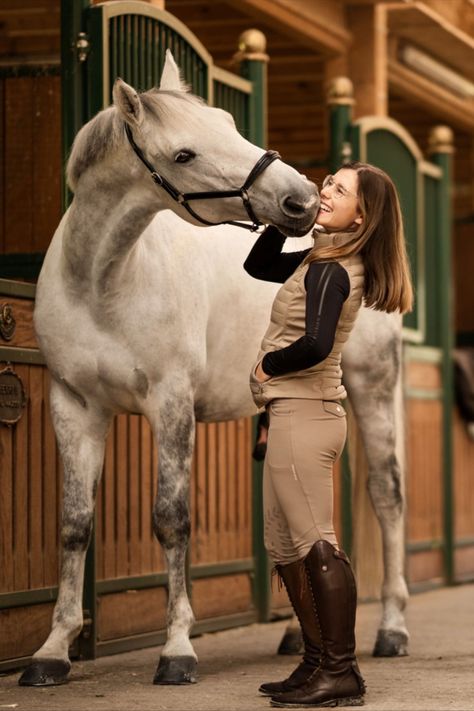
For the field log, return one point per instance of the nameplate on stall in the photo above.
(12, 396)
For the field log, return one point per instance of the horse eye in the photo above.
(184, 156)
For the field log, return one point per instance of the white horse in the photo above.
(138, 310)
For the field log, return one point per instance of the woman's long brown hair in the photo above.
(380, 240)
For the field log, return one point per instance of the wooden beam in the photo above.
(440, 102)
(367, 59)
(423, 26)
(329, 38)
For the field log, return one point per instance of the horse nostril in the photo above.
(292, 207)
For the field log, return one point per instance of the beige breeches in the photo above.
(305, 438)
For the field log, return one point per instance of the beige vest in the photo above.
(287, 324)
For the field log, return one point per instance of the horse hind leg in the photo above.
(171, 524)
(378, 415)
(81, 438)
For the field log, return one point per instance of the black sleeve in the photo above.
(327, 287)
(266, 260)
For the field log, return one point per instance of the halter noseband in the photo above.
(183, 198)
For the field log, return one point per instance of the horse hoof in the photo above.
(176, 670)
(291, 643)
(45, 672)
(390, 643)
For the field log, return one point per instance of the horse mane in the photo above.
(104, 133)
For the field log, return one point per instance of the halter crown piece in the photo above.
(182, 198)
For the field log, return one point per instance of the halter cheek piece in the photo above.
(183, 198)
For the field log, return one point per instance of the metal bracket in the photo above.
(7, 322)
(82, 46)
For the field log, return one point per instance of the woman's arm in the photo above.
(327, 287)
(266, 260)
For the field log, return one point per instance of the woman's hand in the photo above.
(260, 374)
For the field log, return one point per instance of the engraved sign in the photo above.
(12, 396)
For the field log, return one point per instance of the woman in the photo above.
(359, 252)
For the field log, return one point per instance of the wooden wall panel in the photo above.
(425, 566)
(131, 612)
(31, 160)
(126, 545)
(223, 595)
(424, 481)
(29, 511)
(24, 629)
(424, 524)
(222, 521)
(463, 486)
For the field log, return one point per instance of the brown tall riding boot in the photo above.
(337, 680)
(299, 592)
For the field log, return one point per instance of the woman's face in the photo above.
(339, 204)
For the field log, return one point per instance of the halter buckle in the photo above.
(157, 178)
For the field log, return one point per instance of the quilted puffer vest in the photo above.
(287, 324)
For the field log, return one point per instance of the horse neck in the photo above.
(106, 218)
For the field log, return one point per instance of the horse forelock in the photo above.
(103, 133)
(166, 103)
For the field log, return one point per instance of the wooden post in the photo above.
(253, 60)
(441, 148)
(339, 98)
(367, 59)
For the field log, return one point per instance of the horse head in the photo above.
(193, 152)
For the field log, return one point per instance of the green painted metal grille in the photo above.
(432, 266)
(137, 46)
(387, 151)
(236, 102)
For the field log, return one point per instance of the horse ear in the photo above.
(171, 76)
(128, 102)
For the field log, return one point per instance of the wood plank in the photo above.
(232, 489)
(18, 154)
(47, 160)
(21, 492)
(134, 504)
(146, 495)
(222, 482)
(108, 542)
(241, 493)
(51, 476)
(37, 507)
(131, 612)
(425, 566)
(6, 510)
(222, 595)
(463, 479)
(424, 480)
(121, 493)
(2, 166)
(24, 629)
(423, 375)
(211, 550)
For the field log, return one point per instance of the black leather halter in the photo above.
(183, 198)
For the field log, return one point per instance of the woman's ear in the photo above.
(359, 219)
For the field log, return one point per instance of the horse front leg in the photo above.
(380, 426)
(81, 431)
(171, 524)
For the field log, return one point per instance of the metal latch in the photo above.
(82, 46)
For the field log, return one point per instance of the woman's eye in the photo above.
(184, 156)
(339, 192)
